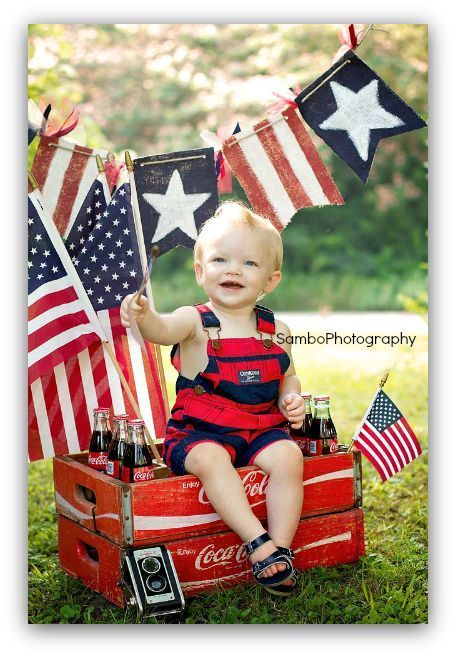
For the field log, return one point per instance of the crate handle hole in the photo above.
(85, 494)
(89, 552)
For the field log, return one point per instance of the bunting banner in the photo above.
(176, 194)
(351, 108)
(64, 172)
(279, 168)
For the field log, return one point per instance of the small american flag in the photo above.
(385, 437)
(109, 266)
(61, 320)
(279, 168)
(64, 172)
(89, 214)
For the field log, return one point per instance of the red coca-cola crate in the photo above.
(176, 507)
(206, 562)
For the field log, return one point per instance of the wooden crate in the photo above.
(207, 562)
(176, 507)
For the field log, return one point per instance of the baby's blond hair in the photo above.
(234, 213)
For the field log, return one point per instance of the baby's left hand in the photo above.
(294, 409)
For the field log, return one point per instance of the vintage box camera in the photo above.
(151, 578)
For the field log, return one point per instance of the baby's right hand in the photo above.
(136, 308)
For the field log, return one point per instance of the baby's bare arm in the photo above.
(290, 402)
(164, 329)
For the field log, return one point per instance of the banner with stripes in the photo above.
(279, 168)
(64, 172)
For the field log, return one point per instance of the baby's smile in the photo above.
(231, 284)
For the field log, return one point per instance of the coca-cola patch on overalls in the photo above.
(233, 402)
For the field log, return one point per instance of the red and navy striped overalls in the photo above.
(233, 402)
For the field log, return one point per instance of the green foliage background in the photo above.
(154, 88)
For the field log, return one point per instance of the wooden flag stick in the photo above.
(129, 393)
(33, 182)
(382, 382)
(153, 255)
(137, 219)
(100, 164)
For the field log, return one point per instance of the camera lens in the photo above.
(151, 565)
(156, 583)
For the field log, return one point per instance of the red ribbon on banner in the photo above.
(283, 102)
(112, 169)
(53, 126)
(350, 35)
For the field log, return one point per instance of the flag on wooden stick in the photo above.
(109, 265)
(90, 213)
(385, 437)
(279, 168)
(61, 320)
(61, 402)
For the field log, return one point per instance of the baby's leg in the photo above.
(283, 462)
(211, 463)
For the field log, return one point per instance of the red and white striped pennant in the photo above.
(64, 172)
(279, 168)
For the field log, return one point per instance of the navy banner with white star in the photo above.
(177, 193)
(353, 109)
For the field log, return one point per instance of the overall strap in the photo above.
(265, 324)
(209, 320)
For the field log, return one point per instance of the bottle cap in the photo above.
(121, 417)
(321, 397)
(104, 410)
(306, 395)
(136, 422)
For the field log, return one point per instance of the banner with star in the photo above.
(351, 108)
(177, 193)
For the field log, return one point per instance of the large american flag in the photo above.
(61, 403)
(385, 437)
(279, 168)
(64, 172)
(61, 320)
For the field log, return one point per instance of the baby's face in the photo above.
(236, 266)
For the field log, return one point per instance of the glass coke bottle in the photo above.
(100, 440)
(117, 446)
(301, 435)
(322, 434)
(137, 460)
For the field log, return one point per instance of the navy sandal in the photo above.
(282, 590)
(282, 555)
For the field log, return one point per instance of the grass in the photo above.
(387, 586)
(304, 292)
